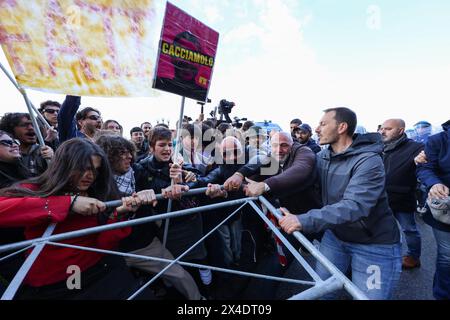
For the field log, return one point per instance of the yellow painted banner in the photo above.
(82, 47)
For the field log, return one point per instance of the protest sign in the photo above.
(187, 51)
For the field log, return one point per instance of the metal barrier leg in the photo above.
(14, 253)
(349, 286)
(23, 271)
(294, 252)
(186, 252)
(186, 264)
(319, 290)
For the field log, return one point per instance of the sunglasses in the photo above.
(95, 118)
(51, 111)
(9, 143)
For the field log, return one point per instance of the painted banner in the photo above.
(82, 47)
(187, 51)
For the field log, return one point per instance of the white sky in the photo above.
(273, 63)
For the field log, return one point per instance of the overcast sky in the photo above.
(280, 60)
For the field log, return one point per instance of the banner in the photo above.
(187, 51)
(82, 47)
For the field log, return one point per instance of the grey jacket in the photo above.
(354, 195)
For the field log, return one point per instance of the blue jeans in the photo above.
(441, 283)
(412, 236)
(375, 268)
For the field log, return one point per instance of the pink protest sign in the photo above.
(186, 57)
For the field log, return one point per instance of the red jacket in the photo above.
(35, 214)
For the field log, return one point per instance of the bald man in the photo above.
(227, 241)
(288, 174)
(398, 157)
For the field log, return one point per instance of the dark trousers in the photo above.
(109, 279)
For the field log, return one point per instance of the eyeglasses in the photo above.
(9, 143)
(94, 117)
(51, 111)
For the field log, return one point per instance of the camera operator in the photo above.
(225, 110)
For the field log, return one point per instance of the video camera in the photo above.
(237, 122)
(225, 110)
(225, 106)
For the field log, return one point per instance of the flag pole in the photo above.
(19, 88)
(174, 159)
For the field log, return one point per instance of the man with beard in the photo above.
(398, 157)
(73, 124)
(360, 231)
(290, 177)
(146, 127)
(33, 156)
(138, 139)
(303, 134)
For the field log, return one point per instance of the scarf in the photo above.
(126, 182)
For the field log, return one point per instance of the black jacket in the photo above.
(11, 173)
(313, 146)
(142, 152)
(401, 180)
(219, 176)
(184, 231)
(34, 161)
(152, 174)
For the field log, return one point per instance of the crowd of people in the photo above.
(355, 193)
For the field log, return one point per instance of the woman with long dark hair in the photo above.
(71, 193)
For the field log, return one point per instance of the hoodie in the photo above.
(355, 203)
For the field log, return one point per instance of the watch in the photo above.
(266, 187)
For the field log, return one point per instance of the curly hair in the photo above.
(113, 145)
(11, 120)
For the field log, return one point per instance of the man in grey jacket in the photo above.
(360, 230)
